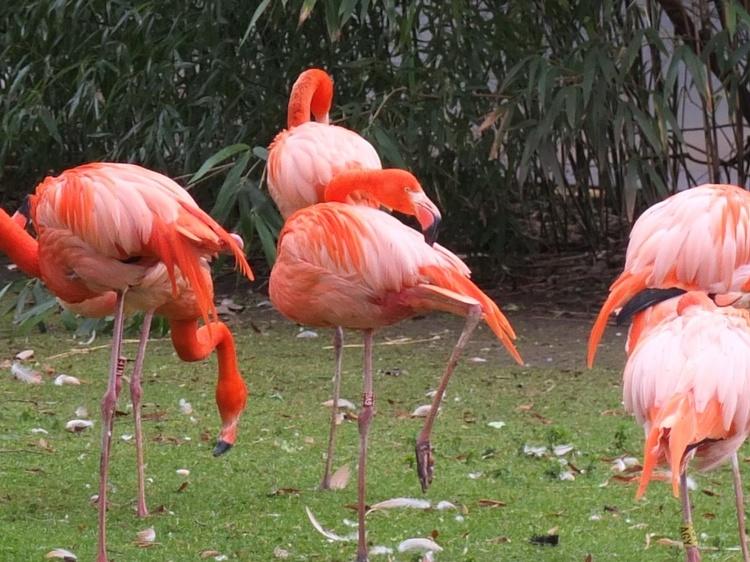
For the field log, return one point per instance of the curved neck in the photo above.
(362, 182)
(311, 93)
(195, 344)
(19, 245)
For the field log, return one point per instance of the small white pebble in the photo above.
(183, 471)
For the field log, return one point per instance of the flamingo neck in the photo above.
(311, 93)
(19, 245)
(195, 344)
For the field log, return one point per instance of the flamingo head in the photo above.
(231, 397)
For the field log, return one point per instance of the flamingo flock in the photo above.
(113, 239)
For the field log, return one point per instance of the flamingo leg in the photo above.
(338, 345)
(425, 460)
(109, 400)
(689, 541)
(740, 498)
(135, 397)
(365, 416)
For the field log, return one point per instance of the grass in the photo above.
(251, 501)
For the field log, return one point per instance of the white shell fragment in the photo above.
(24, 355)
(423, 545)
(305, 334)
(532, 451)
(422, 411)
(75, 426)
(66, 379)
(342, 403)
(146, 537)
(185, 407)
(62, 554)
(561, 450)
(24, 374)
(401, 502)
(183, 472)
(496, 424)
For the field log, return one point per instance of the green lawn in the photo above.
(251, 501)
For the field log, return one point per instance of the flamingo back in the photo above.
(304, 159)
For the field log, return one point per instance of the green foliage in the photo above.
(539, 125)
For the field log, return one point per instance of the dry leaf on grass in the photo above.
(491, 503)
(340, 478)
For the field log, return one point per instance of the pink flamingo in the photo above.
(116, 236)
(303, 159)
(687, 380)
(360, 268)
(697, 239)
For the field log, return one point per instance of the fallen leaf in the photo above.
(340, 478)
(710, 493)
(286, 492)
(545, 540)
(183, 487)
(208, 553)
(61, 553)
(499, 540)
(491, 503)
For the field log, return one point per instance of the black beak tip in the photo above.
(221, 448)
(431, 233)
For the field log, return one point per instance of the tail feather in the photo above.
(623, 289)
(495, 319)
(675, 427)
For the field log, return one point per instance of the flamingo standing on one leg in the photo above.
(117, 234)
(360, 268)
(687, 380)
(302, 161)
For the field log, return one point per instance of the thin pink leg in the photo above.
(338, 345)
(135, 397)
(108, 410)
(425, 460)
(365, 416)
(740, 499)
(689, 540)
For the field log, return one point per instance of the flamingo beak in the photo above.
(428, 216)
(227, 437)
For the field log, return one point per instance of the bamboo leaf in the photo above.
(305, 11)
(258, 12)
(224, 154)
(227, 196)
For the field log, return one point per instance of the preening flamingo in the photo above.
(687, 380)
(302, 160)
(697, 239)
(116, 236)
(357, 267)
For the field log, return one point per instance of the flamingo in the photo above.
(697, 239)
(687, 380)
(302, 160)
(116, 236)
(360, 268)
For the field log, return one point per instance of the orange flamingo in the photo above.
(697, 239)
(116, 236)
(687, 380)
(360, 268)
(303, 159)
